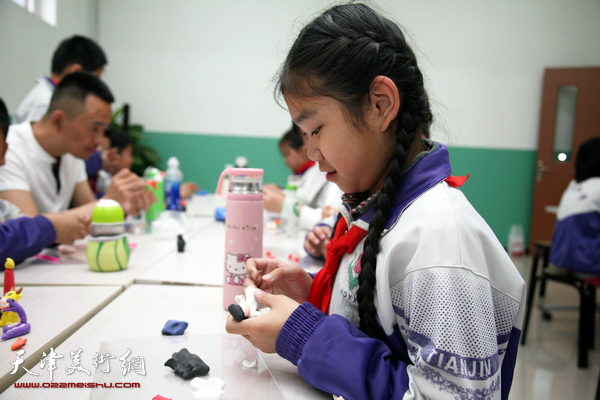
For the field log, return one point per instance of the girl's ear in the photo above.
(385, 102)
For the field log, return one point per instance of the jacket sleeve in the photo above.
(462, 343)
(25, 237)
(336, 357)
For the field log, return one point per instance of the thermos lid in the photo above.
(245, 184)
(173, 162)
(107, 218)
(107, 211)
(243, 180)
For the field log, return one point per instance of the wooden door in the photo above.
(570, 115)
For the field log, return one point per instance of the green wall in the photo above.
(202, 158)
(500, 185)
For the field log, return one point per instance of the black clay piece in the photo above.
(236, 312)
(187, 365)
(180, 243)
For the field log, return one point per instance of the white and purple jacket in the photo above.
(576, 237)
(449, 299)
(25, 237)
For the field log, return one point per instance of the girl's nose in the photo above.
(312, 149)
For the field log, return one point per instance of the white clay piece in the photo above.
(248, 305)
(207, 389)
(249, 364)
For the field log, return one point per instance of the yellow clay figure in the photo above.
(10, 317)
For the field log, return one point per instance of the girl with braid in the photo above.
(417, 299)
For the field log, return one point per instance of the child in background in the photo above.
(417, 299)
(22, 236)
(118, 155)
(115, 157)
(318, 198)
(576, 237)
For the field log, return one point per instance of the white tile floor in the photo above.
(547, 364)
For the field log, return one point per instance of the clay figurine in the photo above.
(187, 365)
(17, 328)
(180, 243)
(10, 291)
(246, 306)
(9, 317)
(9, 276)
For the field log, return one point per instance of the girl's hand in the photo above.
(276, 277)
(317, 240)
(263, 331)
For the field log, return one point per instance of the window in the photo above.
(564, 126)
(45, 9)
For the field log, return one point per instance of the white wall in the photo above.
(205, 66)
(485, 61)
(199, 66)
(27, 43)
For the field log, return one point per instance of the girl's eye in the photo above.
(315, 131)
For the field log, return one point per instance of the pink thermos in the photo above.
(243, 226)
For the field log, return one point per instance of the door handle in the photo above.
(540, 169)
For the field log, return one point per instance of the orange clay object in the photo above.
(18, 343)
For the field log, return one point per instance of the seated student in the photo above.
(118, 155)
(76, 53)
(576, 238)
(45, 169)
(22, 236)
(94, 164)
(318, 198)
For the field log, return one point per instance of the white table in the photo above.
(74, 269)
(202, 262)
(133, 319)
(54, 314)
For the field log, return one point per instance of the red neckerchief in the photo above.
(344, 242)
(456, 181)
(304, 167)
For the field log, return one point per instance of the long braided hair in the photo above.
(338, 55)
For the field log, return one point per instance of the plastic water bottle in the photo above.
(290, 211)
(173, 178)
(243, 227)
(241, 162)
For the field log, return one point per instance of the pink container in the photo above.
(243, 227)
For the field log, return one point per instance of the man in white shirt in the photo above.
(73, 54)
(45, 170)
